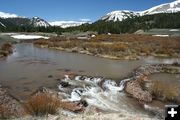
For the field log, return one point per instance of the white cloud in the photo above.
(7, 15)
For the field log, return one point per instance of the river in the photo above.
(30, 67)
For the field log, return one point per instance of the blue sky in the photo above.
(53, 10)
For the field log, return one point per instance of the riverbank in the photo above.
(144, 89)
(127, 47)
(9, 106)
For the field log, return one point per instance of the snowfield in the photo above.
(28, 37)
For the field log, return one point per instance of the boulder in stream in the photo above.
(134, 88)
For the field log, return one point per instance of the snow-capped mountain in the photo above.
(65, 24)
(7, 15)
(124, 14)
(38, 22)
(163, 8)
(119, 15)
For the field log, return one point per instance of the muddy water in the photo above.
(175, 78)
(30, 67)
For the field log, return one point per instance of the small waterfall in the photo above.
(122, 83)
(104, 94)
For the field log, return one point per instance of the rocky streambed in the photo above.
(82, 93)
(108, 95)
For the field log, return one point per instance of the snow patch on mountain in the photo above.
(7, 15)
(38, 22)
(2, 24)
(119, 15)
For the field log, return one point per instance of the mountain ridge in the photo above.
(38, 22)
(120, 15)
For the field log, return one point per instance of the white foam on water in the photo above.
(111, 86)
(108, 97)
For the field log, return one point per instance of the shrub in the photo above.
(118, 47)
(42, 104)
(7, 47)
(165, 91)
(42, 42)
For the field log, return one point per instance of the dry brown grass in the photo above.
(42, 42)
(42, 104)
(5, 49)
(120, 45)
(165, 91)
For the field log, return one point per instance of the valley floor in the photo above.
(128, 46)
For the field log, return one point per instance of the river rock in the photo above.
(134, 88)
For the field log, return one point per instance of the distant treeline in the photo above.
(130, 25)
(12, 28)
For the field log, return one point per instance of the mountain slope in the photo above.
(22, 21)
(163, 8)
(2, 25)
(131, 25)
(120, 15)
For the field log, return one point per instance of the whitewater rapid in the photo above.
(104, 94)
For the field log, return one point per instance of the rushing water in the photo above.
(28, 67)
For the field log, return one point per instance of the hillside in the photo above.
(130, 25)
